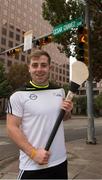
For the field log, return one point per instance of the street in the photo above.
(8, 150)
(74, 129)
(74, 134)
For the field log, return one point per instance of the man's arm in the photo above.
(15, 133)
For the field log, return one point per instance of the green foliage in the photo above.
(57, 12)
(18, 75)
(80, 104)
(5, 88)
(2, 73)
(66, 88)
(98, 101)
(96, 40)
(60, 11)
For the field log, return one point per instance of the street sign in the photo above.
(67, 26)
(28, 40)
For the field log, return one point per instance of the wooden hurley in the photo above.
(78, 76)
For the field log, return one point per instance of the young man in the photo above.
(32, 113)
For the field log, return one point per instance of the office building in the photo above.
(18, 17)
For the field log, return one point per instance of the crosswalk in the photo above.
(4, 143)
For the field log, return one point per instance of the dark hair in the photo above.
(39, 53)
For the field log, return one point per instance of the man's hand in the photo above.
(42, 156)
(67, 105)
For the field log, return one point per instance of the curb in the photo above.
(5, 162)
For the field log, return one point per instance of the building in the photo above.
(18, 17)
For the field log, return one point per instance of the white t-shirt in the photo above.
(39, 111)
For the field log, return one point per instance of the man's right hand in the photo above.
(42, 156)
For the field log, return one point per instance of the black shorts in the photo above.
(56, 172)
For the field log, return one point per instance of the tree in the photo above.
(66, 88)
(80, 104)
(57, 12)
(5, 88)
(18, 75)
(96, 39)
(98, 103)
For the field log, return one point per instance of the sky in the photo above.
(71, 61)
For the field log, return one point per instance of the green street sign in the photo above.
(67, 26)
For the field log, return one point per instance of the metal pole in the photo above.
(89, 90)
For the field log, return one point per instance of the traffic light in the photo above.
(14, 52)
(43, 41)
(82, 49)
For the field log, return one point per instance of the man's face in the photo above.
(39, 69)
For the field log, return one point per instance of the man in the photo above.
(32, 113)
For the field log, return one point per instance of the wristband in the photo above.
(33, 153)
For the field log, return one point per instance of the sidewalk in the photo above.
(84, 161)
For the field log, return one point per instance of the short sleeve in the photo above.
(15, 105)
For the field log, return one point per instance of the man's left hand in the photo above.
(67, 105)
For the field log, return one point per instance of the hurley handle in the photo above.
(54, 130)
(57, 123)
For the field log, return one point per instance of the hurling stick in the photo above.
(77, 77)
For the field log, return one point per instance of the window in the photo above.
(11, 34)
(60, 70)
(67, 80)
(56, 77)
(67, 72)
(67, 66)
(16, 44)
(17, 37)
(3, 41)
(63, 71)
(4, 31)
(56, 69)
(17, 29)
(63, 79)
(60, 78)
(10, 44)
(11, 26)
